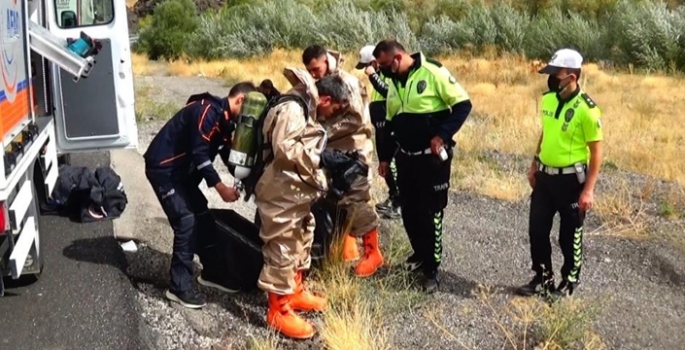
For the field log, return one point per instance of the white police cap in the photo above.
(564, 58)
(365, 56)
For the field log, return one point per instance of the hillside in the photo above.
(630, 34)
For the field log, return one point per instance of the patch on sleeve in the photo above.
(588, 100)
(452, 80)
(599, 123)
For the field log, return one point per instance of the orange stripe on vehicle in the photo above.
(14, 112)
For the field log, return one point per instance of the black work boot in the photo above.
(390, 208)
(413, 263)
(541, 284)
(191, 298)
(430, 282)
(385, 205)
(565, 288)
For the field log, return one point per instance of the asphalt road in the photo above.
(83, 299)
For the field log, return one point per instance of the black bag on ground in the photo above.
(86, 196)
(107, 199)
(234, 253)
(72, 187)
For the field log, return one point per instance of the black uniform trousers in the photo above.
(377, 112)
(424, 182)
(552, 194)
(186, 209)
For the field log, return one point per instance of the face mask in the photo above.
(554, 83)
(387, 71)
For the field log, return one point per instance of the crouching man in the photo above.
(351, 130)
(177, 160)
(291, 181)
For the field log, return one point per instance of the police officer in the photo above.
(177, 160)
(425, 108)
(390, 208)
(563, 173)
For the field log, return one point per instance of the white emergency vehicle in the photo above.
(54, 102)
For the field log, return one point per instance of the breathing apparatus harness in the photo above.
(343, 167)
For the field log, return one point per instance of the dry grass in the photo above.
(532, 323)
(622, 210)
(356, 303)
(643, 119)
(476, 173)
(147, 108)
(141, 65)
(270, 342)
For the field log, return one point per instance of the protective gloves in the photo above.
(344, 167)
(334, 160)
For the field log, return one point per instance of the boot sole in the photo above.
(215, 286)
(308, 310)
(173, 297)
(370, 274)
(300, 337)
(388, 216)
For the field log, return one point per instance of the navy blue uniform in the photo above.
(177, 160)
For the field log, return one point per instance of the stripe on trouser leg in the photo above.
(393, 170)
(437, 225)
(577, 254)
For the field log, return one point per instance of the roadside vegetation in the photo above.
(638, 33)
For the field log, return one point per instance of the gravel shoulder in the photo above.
(639, 284)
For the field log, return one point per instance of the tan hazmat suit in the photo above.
(283, 199)
(352, 130)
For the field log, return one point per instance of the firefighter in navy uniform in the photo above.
(390, 208)
(563, 174)
(425, 108)
(177, 160)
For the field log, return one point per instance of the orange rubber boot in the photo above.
(305, 300)
(282, 318)
(350, 251)
(372, 255)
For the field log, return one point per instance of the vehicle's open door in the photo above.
(97, 111)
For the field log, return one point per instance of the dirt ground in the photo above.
(638, 284)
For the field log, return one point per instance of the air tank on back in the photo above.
(244, 148)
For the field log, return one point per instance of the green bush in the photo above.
(646, 33)
(166, 35)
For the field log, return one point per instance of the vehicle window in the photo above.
(83, 13)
